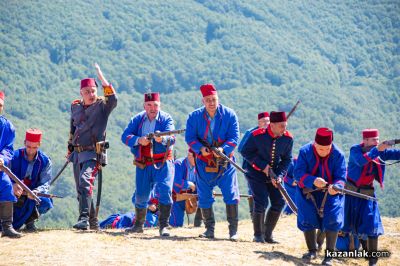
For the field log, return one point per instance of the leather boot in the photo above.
(209, 221)
(364, 243)
(197, 218)
(331, 237)
(310, 237)
(140, 216)
(232, 215)
(6, 217)
(251, 206)
(165, 212)
(258, 222)
(30, 226)
(93, 220)
(270, 222)
(372, 246)
(84, 209)
(320, 239)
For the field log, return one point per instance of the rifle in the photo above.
(293, 109)
(45, 195)
(185, 196)
(392, 142)
(222, 155)
(344, 191)
(283, 191)
(158, 134)
(7, 170)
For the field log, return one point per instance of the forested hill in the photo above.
(340, 58)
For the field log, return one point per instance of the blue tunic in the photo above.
(224, 130)
(36, 175)
(332, 169)
(147, 177)
(183, 173)
(120, 221)
(262, 148)
(7, 137)
(362, 216)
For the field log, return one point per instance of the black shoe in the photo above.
(310, 255)
(327, 261)
(10, 232)
(258, 239)
(31, 227)
(82, 225)
(135, 229)
(232, 215)
(209, 221)
(270, 222)
(207, 234)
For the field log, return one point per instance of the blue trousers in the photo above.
(161, 180)
(263, 191)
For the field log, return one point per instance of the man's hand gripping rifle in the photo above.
(282, 190)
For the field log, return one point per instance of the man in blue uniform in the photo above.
(33, 168)
(319, 166)
(366, 164)
(89, 117)
(214, 125)
(153, 160)
(184, 182)
(7, 198)
(267, 148)
(263, 122)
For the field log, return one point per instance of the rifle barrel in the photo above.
(353, 193)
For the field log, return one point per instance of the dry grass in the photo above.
(113, 247)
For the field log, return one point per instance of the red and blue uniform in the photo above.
(36, 175)
(184, 172)
(362, 216)
(7, 137)
(261, 149)
(222, 131)
(162, 178)
(332, 169)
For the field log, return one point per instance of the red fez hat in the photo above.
(370, 133)
(208, 89)
(276, 117)
(89, 82)
(2, 95)
(264, 114)
(324, 136)
(151, 97)
(33, 135)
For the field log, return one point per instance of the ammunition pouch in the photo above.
(369, 191)
(191, 205)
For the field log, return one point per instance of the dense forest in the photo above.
(340, 58)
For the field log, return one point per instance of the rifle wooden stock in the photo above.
(392, 142)
(353, 193)
(7, 170)
(45, 195)
(283, 191)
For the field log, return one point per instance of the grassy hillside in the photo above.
(341, 59)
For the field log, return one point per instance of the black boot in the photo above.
(140, 216)
(372, 246)
(165, 212)
(197, 218)
(331, 238)
(209, 221)
(270, 222)
(258, 222)
(232, 215)
(320, 239)
(310, 237)
(84, 209)
(251, 206)
(6, 218)
(30, 222)
(93, 220)
(364, 243)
